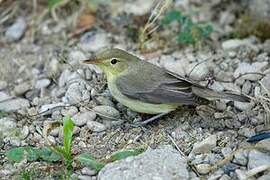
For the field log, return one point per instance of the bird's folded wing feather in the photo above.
(157, 87)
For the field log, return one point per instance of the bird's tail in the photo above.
(213, 95)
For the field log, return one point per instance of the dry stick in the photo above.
(183, 154)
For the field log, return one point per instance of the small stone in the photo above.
(21, 89)
(226, 151)
(161, 163)
(14, 104)
(7, 125)
(247, 132)
(234, 44)
(203, 168)
(94, 41)
(55, 132)
(89, 172)
(205, 146)
(199, 72)
(96, 126)
(42, 83)
(241, 158)
(248, 71)
(70, 111)
(3, 85)
(243, 106)
(77, 93)
(80, 119)
(75, 57)
(16, 30)
(257, 158)
(84, 177)
(107, 111)
(246, 87)
(25, 132)
(264, 144)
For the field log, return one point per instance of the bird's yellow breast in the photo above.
(137, 105)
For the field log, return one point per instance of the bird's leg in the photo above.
(152, 119)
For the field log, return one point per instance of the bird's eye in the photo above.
(113, 61)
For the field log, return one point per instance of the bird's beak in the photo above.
(93, 61)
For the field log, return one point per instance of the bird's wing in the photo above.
(157, 86)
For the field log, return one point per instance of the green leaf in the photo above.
(15, 154)
(125, 153)
(88, 160)
(172, 16)
(52, 3)
(32, 153)
(68, 133)
(185, 38)
(47, 154)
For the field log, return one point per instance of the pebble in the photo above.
(234, 44)
(203, 168)
(107, 111)
(7, 125)
(96, 126)
(81, 118)
(264, 144)
(257, 158)
(89, 172)
(243, 106)
(247, 132)
(69, 111)
(199, 72)
(22, 88)
(77, 93)
(93, 41)
(246, 87)
(42, 83)
(241, 158)
(16, 30)
(245, 68)
(162, 163)
(3, 85)
(84, 177)
(25, 132)
(13, 105)
(205, 145)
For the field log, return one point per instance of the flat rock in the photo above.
(42, 83)
(7, 125)
(107, 111)
(16, 30)
(80, 119)
(96, 126)
(162, 163)
(250, 70)
(206, 145)
(266, 82)
(257, 158)
(14, 104)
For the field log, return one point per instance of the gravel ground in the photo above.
(43, 80)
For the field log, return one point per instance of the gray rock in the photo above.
(16, 30)
(25, 132)
(259, 9)
(247, 132)
(80, 119)
(89, 172)
(7, 125)
(94, 41)
(264, 177)
(257, 158)
(264, 144)
(246, 87)
(203, 168)
(70, 111)
(3, 85)
(266, 82)
(206, 145)
(199, 72)
(84, 177)
(245, 68)
(22, 88)
(14, 104)
(162, 163)
(137, 8)
(241, 158)
(107, 111)
(234, 44)
(96, 126)
(77, 93)
(244, 106)
(75, 57)
(42, 83)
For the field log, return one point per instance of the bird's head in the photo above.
(113, 61)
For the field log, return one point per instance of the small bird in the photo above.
(150, 89)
